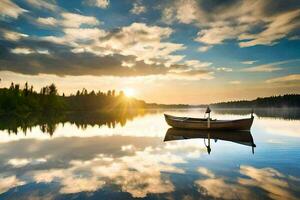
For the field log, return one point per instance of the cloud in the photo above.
(224, 69)
(270, 67)
(218, 188)
(98, 3)
(40, 4)
(10, 9)
(73, 20)
(206, 172)
(50, 21)
(289, 79)
(12, 35)
(268, 179)
(204, 48)
(18, 162)
(7, 182)
(196, 64)
(138, 8)
(186, 11)
(278, 28)
(248, 22)
(218, 33)
(274, 183)
(249, 62)
(131, 172)
(22, 51)
(21, 162)
(262, 68)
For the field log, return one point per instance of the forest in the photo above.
(21, 100)
(281, 101)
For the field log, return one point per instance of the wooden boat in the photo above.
(240, 137)
(208, 123)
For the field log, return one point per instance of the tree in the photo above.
(52, 89)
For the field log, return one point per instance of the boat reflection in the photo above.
(240, 137)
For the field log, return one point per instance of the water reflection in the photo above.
(240, 137)
(48, 123)
(132, 161)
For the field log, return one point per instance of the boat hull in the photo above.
(204, 124)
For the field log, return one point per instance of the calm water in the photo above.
(118, 157)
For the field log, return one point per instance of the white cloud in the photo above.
(24, 50)
(206, 172)
(196, 64)
(238, 20)
(186, 11)
(138, 8)
(21, 50)
(73, 20)
(249, 62)
(21, 162)
(40, 4)
(278, 28)
(224, 69)
(144, 42)
(18, 162)
(98, 3)
(10, 9)
(13, 36)
(47, 21)
(218, 33)
(204, 48)
(263, 68)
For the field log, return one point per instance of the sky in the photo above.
(171, 51)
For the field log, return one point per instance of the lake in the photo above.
(93, 156)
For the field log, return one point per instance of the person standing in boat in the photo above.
(208, 118)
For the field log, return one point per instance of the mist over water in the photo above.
(100, 156)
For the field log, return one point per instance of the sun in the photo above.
(129, 92)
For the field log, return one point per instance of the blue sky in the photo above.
(206, 51)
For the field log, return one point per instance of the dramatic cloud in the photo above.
(250, 22)
(10, 9)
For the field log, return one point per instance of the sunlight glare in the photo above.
(129, 92)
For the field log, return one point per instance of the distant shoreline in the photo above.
(21, 101)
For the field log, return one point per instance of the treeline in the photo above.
(20, 100)
(285, 101)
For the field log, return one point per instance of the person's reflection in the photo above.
(208, 146)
